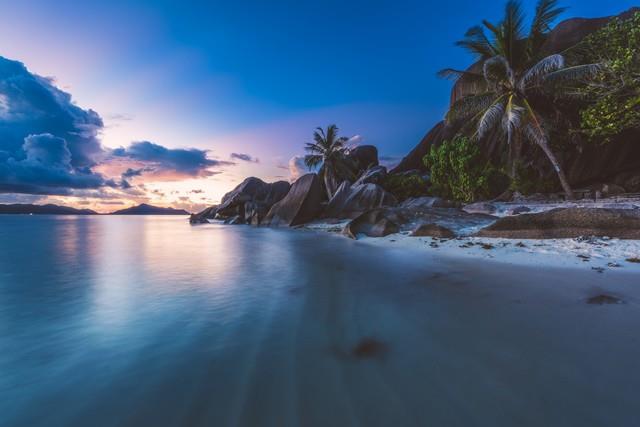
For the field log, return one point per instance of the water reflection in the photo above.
(135, 321)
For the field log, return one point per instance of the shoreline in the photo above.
(599, 255)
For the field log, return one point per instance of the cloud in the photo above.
(297, 168)
(32, 105)
(51, 146)
(130, 173)
(46, 167)
(190, 162)
(244, 157)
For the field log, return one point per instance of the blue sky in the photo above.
(252, 77)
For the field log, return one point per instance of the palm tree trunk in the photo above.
(516, 153)
(556, 165)
(330, 181)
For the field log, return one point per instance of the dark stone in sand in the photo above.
(480, 208)
(432, 230)
(301, 204)
(567, 223)
(604, 299)
(519, 210)
(374, 223)
(369, 348)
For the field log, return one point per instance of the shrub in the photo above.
(460, 172)
(615, 91)
(405, 186)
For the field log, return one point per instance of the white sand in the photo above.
(585, 254)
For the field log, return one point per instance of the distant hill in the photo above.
(43, 210)
(145, 209)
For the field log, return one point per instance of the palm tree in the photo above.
(513, 73)
(329, 152)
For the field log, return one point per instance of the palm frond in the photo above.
(490, 119)
(536, 74)
(466, 81)
(512, 118)
(578, 73)
(512, 28)
(332, 133)
(313, 160)
(546, 13)
(454, 75)
(476, 42)
(313, 148)
(470, 106)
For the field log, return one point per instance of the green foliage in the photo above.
(527, 181)
(459, 171)
(405, 186)
(615, 92)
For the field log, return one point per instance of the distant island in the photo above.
(145, 209)
(28, 209)
(49, 209)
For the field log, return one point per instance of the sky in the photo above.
(109, 104)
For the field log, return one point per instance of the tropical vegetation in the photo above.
(460, 172)
(328, 152)
(613, 96)
(512, 76)
(406, 186)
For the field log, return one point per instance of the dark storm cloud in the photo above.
(32, 105)
(190, 161)
(130, 173)
(244, 157)
(49, 145)
(44, 166)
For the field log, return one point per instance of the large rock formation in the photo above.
(413, 161)
(568, 223)
(364, 157)
(247, 203)
(584, 163)
(351, 201)
(302, 203)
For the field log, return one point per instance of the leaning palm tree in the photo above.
(510, 73)
(329, 152)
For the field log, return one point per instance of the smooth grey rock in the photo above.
(302, 203)
(351, 201)
(374, 175)
(480, 208)
(432, 230)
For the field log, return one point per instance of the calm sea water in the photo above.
(147, 321)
